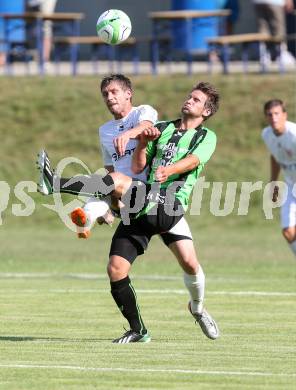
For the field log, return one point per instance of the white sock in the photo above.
(196, 286)
(293, 247)
(95, 208)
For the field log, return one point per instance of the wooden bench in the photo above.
(113, 53)
(73, 42)
(245, 40)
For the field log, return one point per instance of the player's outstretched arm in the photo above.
(274, 169)
(139, 157)
(185, 165)
(274, 174)
(121, 141)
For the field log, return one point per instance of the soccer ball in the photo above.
(114, 26)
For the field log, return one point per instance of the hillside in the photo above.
(62, 114)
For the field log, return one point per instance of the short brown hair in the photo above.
(212, 102)
(274, 103)
(124, 81)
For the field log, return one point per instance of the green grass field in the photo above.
(57, 317)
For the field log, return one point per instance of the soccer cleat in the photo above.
(80, 219)
(132, 337)
(207, 323)
(45, 185)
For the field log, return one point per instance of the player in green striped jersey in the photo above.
(176, 152)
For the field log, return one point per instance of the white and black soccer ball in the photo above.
(114, 26)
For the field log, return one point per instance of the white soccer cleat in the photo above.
(206, 322)
(45, 184)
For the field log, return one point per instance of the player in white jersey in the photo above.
(118, 142)
(280, 139)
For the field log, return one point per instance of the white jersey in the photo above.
(96, 208)
(283, 149)
(114, 128)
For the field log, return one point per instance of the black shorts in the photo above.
(130, 241)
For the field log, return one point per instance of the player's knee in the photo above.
(116, 270)
(112, 271)
(189, 264)
(289, 234)
(118, 178)
(120, 182)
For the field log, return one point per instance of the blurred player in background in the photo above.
(175, 152)
(280, 139)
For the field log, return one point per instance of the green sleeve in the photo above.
(150, 151)
(151, 146)
(206, 148)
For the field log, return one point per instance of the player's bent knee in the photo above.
(121, 182)
(189, 265)
(117, 268)
(289, 234)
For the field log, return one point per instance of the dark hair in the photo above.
(124, 81)
(212, 102)
(274, 103)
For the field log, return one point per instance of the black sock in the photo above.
(125, 297)
(93, 185)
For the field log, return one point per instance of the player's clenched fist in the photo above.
(149, 134)
(161, 174)
(120, 143)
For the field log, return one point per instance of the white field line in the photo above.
(146, 291)
(46, 275)
(97, 276)
(92, 276)
(151, 370)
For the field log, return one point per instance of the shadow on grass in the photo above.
(30, 338)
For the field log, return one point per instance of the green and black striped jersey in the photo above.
(174, 145)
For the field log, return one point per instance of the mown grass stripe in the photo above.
(150, 291)
(151, 370)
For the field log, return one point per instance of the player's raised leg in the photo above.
(94, 185)
(46, 176)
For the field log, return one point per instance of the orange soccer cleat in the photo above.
(80, 219)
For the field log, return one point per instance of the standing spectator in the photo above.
(233, 6)
(271, 16)
(291, 30)
(45, 7)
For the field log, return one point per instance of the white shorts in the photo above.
(288, 209)
(97, 208)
